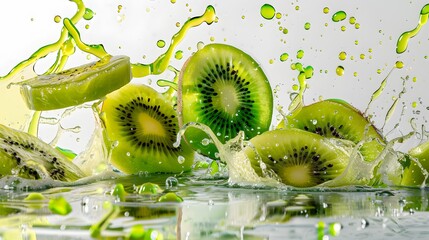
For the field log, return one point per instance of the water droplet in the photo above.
(339, 16)
(325, 10)
(342, 56)
(343, 28)
(171, 182)
(314, 121)
(160, 43)
(399, 64)
(284, 57)
(307, 26)
(178, 55)
(352, 20)
(205, 141)
(88, 15)
(57, 18)
(200, 45)
(364, 223)
(357, 25)
(340, 70)
(278, 15)
(300, 54)
(268, 11)
(212, 39)
(180, 159)
(414, 104)
(211, 202)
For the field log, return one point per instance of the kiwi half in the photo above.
(26, 156)
(413, 175)
(143, 125)
(77, 85)
(338, 119)
(299, 158)
(225, 89)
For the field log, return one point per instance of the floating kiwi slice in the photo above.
(26, 156)
(338, 119)
(76, 85)
(413, 175)
(144, 125)
(225, 89)
(299, 158)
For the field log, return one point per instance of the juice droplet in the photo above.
(356, 42)
(355, 74)
(173, 1)
(343, 28)
(300, 54)
(325, 10)
(285, 31)
(309, 71)
(271, 61)
(57, 18)
(295, 87)
(278, 15)
(268, 11)
(402, 43)
(414, 79)
(399, 64)
(352, 20)
(212, 39)
(120, 8)
(243, 17)
(342, 56)
(178, 55)
(362, 56)
(86, 26)
(88, 15)
(414, 104)
(339, 16)
(200, 45)
(307, 26)
(297, 8)
(160, 43)
(284, 57)
(60, 206)
(357, 25)
(378, 71)
(340, 70)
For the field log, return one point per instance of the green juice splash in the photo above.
(403, 40)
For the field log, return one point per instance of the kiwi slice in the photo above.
(77, 85)
(299, 158)
(413, 175)
(336, 118)
(225, 89)
(26, 156)
(143, 125)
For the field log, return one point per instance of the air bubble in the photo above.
(171, 182)
(180, 159)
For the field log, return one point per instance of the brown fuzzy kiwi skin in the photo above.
(336, 118)
(140, 148)
(191, 99)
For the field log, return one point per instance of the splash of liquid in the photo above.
(402, 43)
(162, 62)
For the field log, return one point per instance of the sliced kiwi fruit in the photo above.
(225, 89)
(143, 126)
(77, 85)
(298, 158)
(26, 156)
(336, 118)
(413, 174)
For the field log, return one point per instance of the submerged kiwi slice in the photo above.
(77, 85)
(413, 174)
(26, 156)
(143, 125)
(225, 89)
(299, 158)
(338, 119)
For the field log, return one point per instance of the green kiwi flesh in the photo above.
(299, 158)
(26, 156)
(143, 126)
(413, 175)
(225, 89)
(338, 119)
(77, 85)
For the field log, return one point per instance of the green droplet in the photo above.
(160, 43)
(399, 64)
(402, 43)
(378, 71)
(352, 20)
(88, 15)
(201, 165)
(297, 8)
(414, 79)
(295, 87)
(137, 232)
(149, 188)
(178, 55)
(339, 16)
(60, 206)
(307, 26)
(343, 28)
(278, 15)
(356, 42)
(267, 11)
(170, 197)
(362, 56)
(414, 104)
(119, 192)
(57, 18)
(300, 54)
(69, 154)
(308, 72)
(325, 10)
(212, 39)
(214, 167)
(355, 74)
(120, 8)
(284, 57)
(285, 30)
(425, 10)
(342, 56)
(86, 26)
(35, 197)
(271, 61)
(299, 67)
(334, 229)
(173, 1)
(357, 25)
(340, 70)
